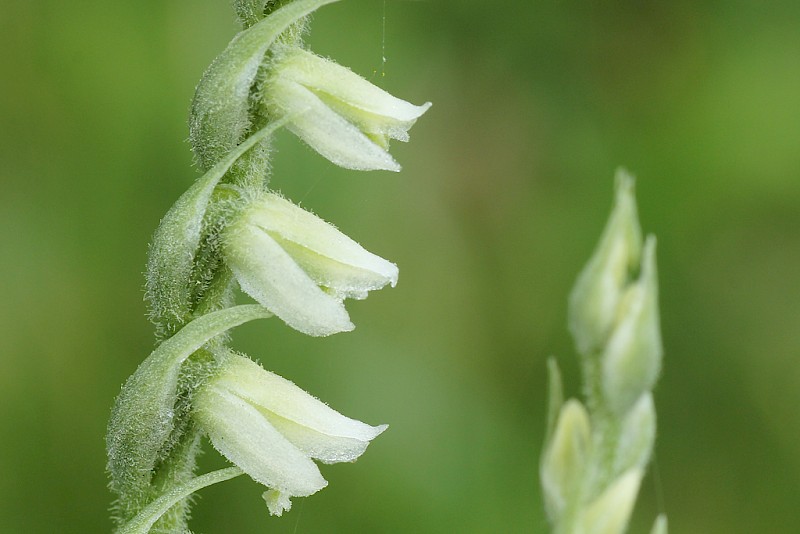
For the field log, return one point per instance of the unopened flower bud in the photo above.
(637, 435)
(660, 525)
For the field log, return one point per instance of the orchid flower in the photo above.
(272, 429)
(300, 267)
(336, 112)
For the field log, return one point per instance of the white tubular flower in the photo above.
(337, 112)
(300, 267)
(272, 430)
(565, 457)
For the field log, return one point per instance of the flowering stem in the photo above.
(229, 230)
(142, 523)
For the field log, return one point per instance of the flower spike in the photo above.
(230, 229)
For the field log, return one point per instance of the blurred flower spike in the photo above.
(596, 453)
(614, 305)
(336, 112)
(272, 429)
(300, 267)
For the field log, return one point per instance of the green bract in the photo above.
(173, 286)
(144, 413)
(222, 114)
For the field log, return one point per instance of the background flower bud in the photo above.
(660, 525)
(632, 359)
(597, 293)
(565, 457)
(336, 112)
(610, 512)
(637, 435)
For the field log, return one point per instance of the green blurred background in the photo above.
(505, 188)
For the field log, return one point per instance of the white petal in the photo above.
(328, 256)
(342, 84)
(312, 426)
(243, 436)
(267, 273)
(325, 131)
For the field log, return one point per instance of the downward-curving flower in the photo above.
(338, 113)
(300, 267)
(272, 429)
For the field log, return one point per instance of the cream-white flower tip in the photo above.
(300, 267)
(277, 502)
(337, 112)
(272, 429)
